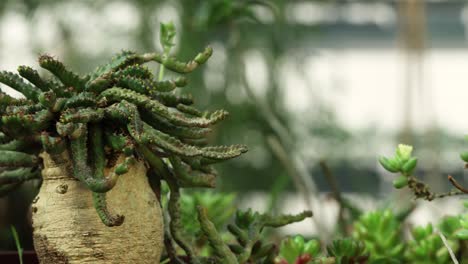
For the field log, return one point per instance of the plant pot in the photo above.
(67, 228)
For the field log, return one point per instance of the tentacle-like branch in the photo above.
(18, 175)
(136, 71)
(53, 145)
(84, 115)
(33, 77)
(99, 202)
(65, 76)
(84, 99)
(10, 158)
(82, 171)
(16, 82)
(189, 177)
(154, 107)
(16, 144)
(222, 251)
(174, 65)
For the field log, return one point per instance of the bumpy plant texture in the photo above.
(119, 109)
(246, 229)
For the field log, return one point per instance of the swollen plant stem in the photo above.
(444, 240)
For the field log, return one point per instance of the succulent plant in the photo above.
(347, 251)
(118, 109)
(382, 234)
(427, 245)
(404, 163)
(247, 229)
(296, 250)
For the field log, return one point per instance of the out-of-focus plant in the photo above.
(427, 245)
(405, 164)
(217, 12)
(347, 251)
(246, 228)
(220, 208)
(382, 234)
(297, 250)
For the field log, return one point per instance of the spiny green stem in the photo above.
(10, 158)
(83, 172)
(221, 250)
(18, 175)
(57, 68)
(17, 83)
(100, 204)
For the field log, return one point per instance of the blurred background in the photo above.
(316, 89)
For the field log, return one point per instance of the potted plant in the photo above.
(96, 142)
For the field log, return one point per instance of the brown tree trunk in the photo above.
(67, 228)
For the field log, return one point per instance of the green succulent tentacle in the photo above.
(16, 144)
(65, 76)
(173, 205)
(100, 204)
(84, 115)
(156, 108)
(173, 64)
(172, 100)
(137, 71)
(180, 132)
(9, 158)
(16, 82)
(53, 145)
(33, 77)
(18, 175)
(189, 177)
(84, 172)
(222, 251)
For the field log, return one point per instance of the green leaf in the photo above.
(18, 244)
(464, 156)
(312, 247)
(400, 182)
(409, 166)
(389, 164)
(462, 234)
